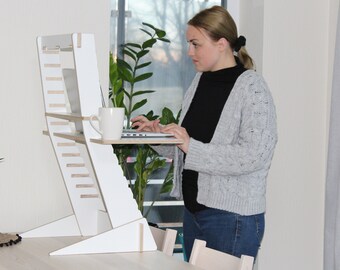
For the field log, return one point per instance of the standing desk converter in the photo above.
(104, 209)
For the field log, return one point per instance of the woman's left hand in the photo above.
(179, 133)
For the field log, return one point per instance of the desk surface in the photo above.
(33, 253)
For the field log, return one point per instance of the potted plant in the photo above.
(124, 74)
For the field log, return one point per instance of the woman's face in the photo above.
(204, 52)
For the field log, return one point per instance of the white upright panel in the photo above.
(103, 205)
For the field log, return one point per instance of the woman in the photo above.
(228, 129)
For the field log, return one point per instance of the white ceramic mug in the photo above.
(111, 122)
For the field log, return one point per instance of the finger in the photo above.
(156, 127)
(139, 118)
(143, 127)
(169, 127)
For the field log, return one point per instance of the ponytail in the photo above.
(245, 58)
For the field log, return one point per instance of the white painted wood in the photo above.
(98, 191)
(127, 238)
(67, 226)
(165, 239)
(32, 253)
(86, 202)
(208, 258)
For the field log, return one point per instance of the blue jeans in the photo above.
(224, 231)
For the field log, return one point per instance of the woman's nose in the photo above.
(190, 50)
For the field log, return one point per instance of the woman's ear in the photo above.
(223, 43)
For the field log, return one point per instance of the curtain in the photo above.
(332, 203)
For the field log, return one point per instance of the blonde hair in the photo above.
(218, 23)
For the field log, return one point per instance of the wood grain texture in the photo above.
(33, 253)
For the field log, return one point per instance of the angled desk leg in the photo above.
(130, 232)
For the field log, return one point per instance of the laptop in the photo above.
(131, 133)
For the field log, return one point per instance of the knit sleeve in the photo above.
(253, 142)
(167, 151)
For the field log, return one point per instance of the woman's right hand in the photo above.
(141, 123)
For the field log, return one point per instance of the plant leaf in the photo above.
(123, 64)
(126, 75)
(143, 65)
(120, 99)
(131, 50)
(149, 25)
(128, 53)
(160, 33)
(149, 43)
(142, 53)
(148, 33)
(167, 116)
(132, 45)
(150, 115)
(137, 93)
(143, 77)
(139, 104)
(164, 40)
(127, 94)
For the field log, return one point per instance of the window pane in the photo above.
(172, 69)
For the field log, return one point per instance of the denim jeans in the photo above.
(224, 231)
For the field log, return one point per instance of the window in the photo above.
(172, 69)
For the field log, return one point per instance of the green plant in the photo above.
(124, 74)
(148, 161)
(116, 93)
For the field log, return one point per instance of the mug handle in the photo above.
(93, 125)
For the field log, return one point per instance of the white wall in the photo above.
(31, 188)
(251, 26)
(298, 42)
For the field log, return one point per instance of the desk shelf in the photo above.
(79, 137)
(68, 116)
(138, 141)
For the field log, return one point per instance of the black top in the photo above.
(201, 119)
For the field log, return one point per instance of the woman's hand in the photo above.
(141, 123)
(179, 133)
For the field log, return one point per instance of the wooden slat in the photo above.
(73, 165)
(78, 40)
(70, 154)
(85, 186)
(56, 123)
(79, 175)
(71, 136)
(170, 225)
(52, 65)
(141, 237)
(89, 196)
(68, 116)
(61, 144)
(55, 92)
(46, 51)
(54, 78)
(57, 105)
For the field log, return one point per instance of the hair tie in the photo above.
(240, 42)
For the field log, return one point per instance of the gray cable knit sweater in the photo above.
(234, 166)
